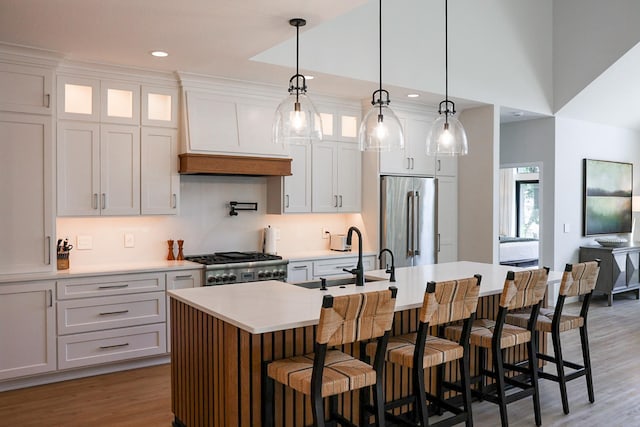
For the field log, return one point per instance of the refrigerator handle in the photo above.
(410, 224)
(416, 236)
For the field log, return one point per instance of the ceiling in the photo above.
(228, 38)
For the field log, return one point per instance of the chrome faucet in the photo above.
(391, 270)
(358, 271)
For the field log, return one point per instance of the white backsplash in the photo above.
(204, 224)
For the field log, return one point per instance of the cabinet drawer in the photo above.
(331, 267)
(111, 346)
(110, 285)
(84, 315)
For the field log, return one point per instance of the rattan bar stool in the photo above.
(328, 372)
(443, 303)
(521, 289)
(577, 280)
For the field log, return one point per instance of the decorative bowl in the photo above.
(611, 242)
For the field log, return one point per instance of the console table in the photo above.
(619, 268)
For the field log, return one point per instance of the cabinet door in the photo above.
(25, 89)
(416, 132)
(299, 271)
(447, 166)
(159, 182)
(349, 178)
(349, 126)
(120, 103)
(297, 187)
(447, 219)
(396, 161)
(27, 329)
(323, 174)
(78, 98)
(78, 176)
(26, 186)
(159, 107)
(119, 170)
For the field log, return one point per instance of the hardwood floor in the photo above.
(142, 397)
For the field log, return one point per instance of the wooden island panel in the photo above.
(216, 369)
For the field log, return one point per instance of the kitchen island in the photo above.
(221, 336)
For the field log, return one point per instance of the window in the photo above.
(528, 208)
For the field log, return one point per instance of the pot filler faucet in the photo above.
(358, 271)
(391, 270)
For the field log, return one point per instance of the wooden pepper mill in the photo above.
(170, 256)
(180, 254)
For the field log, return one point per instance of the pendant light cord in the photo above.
(446, 53)
(380, 48)
(297, 60)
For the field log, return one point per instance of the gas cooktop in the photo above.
(231, 257)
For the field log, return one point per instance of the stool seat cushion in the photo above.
(342, 373)
(543, 323)
(482, 334)
(436, 350)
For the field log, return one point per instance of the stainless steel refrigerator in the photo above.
(408, 220)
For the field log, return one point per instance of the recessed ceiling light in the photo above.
(159, 53)
(309, 77)
(413, 95)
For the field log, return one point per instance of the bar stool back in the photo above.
(577, 280)
(521, 289)
(328, 372)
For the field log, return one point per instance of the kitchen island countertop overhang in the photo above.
(268, 306)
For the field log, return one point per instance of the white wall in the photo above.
(533, 141)
(204, 224)
(478, 187)
(575, 141)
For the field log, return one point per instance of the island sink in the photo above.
(315, 284)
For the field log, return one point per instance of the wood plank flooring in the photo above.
(142, 397)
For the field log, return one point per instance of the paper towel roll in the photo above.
(269, 244)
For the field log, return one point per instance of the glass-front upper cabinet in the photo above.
(120, 103)
(159, 107)
(78, 98)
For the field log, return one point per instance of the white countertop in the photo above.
(260, 307)
(102, 269)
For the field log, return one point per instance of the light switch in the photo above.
(129, 241)
(84, 242)
(567, 227)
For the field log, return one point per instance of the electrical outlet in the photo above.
(84, 242)
(277, 233)
(325, 232)
(129, 241)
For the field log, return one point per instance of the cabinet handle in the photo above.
(106, 347)
(50, 293)
(104, 200)
(408, 162)
(413, 163)
(300, 267)
(109, 313)
(47, 250)
(287, 199)
(340, 205)
(340, 267)
(94, 201)
(186, 276)
(335, 201)
(114, 286)
(439, 165)
(47, 100)
(174, 201)
(438, 236)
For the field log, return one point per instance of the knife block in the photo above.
(63, 260)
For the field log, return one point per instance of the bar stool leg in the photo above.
(378, 398)
(584, 340)
(317, 407)
(465, 382)
(420, 405)
(557, 350)
(268, 390)
(499, 372)
(482, 366)
(533, 370)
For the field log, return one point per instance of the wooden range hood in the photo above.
(211, 164)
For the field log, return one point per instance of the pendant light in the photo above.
(447, 136)
(296, 117)
(380, 129)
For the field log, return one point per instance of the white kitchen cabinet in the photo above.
(336, 177)
(180, 279)
(299, 271)
(110, 318)
(26, 188)
(159, 107)
(159, 178)
(447, 243)
(78, 98)
(25, 89)
(339, 123)
(120, 103)
(292, 194)
(27, 329)
(98, 174)
(336, 266)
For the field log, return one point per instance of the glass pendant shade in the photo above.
(447, 137)
(297, 120)
(381, 130)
